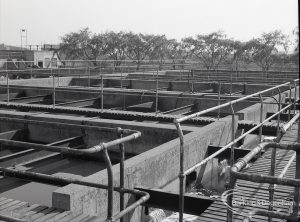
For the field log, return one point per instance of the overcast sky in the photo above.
(48, 20)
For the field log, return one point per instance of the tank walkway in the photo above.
(256, 191)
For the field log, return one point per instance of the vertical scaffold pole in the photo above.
(230, 183)
(290, 101)
(181, 171)
(156, 96)
(7, 83)
(122, 168)
(102, 93)
(53, 81)
(219, 98)
(261, 117)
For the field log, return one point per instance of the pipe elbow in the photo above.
(137, 135)
(175, 121)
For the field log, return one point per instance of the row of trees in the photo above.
(211, 50)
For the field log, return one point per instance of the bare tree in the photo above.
(116, 45)
(264, 51)
(211, 49)
(138, 47)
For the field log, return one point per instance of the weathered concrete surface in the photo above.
(154, 168)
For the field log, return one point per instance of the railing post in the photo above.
(290, 101)
(297, 175)
(31, 71)
(273, 158)
(110, 185)
(89, 76)
(278, 117)
(122, 168)
(232, 134)
(7, 83)
(296, 189)
(102, 93)
(219, 99)
(53, 81)
(260, 117)
(121, 78)
(192, 79)
(230, 183)
(181, 171)
(295, 96)
(156, 95)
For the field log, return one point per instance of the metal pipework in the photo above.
(63, 181)
(144, 197)
(102, 94)
(290, 123)
(230, 144)
(261, 117)
(296, 189)
(290, 101)
(60, 124)
(272, 214)
(229, 103)
(273, 157)
(181, 172)
(265, 178)
(122, 169)
(7, 86)
(53, 93)
(177, 124)
(156, 94)
(72, 151)
(242, 162)
(96, 149)
(219, 99)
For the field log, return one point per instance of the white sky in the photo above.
(48, 20)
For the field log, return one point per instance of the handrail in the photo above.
(271, 179)
(188, 171)
(179, 120)
(103, 147)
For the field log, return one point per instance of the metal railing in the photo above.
(271, 179)
(124, 135)
(178, 121)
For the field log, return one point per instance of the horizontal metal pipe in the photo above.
(242, 162)
(67, 150)
(61, 124)
(272, 214)
(144, 197)
(228, 103)
(285, 128)
(231, 143)
(62, 181)
(259, 178)
(289, 163)
(179, 108)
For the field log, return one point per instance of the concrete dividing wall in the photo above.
(253, 112)
(161, 132)
(147, 84)
(154, 168)
(45, 82)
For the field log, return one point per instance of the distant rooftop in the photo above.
(48, 47)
